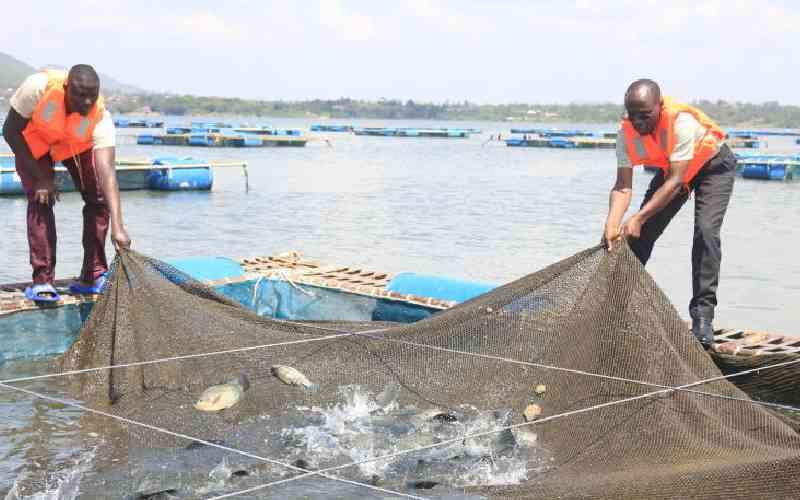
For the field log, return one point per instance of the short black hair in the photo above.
(643, 84)
(85, 72)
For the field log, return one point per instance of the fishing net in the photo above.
(553, 386)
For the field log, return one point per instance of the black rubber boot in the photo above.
(703, 331)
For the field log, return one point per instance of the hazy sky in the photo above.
(485, 51)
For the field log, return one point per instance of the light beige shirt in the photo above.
(28, 94)
(688, 132)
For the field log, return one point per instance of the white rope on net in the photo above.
(324, 472)
(201, 441)
(494, 431)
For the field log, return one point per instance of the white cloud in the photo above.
(503, 50)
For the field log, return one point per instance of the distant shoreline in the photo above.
(740, 115)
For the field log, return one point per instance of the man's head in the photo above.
(643, 104)
(82, 88)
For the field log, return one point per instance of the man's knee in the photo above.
(707, 231)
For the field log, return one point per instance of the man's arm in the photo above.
(12, 133)
(618, 202)
(104, 162)
(39, 170)
(660, 199)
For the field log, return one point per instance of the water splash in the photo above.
(63, 485)
(362, 426)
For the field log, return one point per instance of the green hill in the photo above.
(13, 71)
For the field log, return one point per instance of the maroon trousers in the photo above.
(42, 222)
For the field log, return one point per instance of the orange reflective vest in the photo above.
(654, 149)
(52, 130)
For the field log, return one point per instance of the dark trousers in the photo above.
(42, 222)
(712, 188)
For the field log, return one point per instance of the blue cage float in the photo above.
(751, 165)
(775, 132)
(224, 135)
(331, 128)
(166, 173)
(557, 132)
(121, 122)
(442, 133)
(769, 167)
(561, 139)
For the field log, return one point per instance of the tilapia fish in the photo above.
(291, 376)
(220, 397)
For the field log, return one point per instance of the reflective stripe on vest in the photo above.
(639, 144)
(52, 130)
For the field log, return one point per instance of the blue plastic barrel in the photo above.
(180, 179)
(10, 183)
(756, 171)
(438, 287)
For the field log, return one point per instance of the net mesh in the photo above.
(587, 343)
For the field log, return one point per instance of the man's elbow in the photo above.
(13, 126)
(7, 132)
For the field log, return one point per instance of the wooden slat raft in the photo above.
(294, 268)
(753, 343)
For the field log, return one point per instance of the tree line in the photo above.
(731, 114)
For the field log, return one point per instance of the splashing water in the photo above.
(362, 427)
(61, 486)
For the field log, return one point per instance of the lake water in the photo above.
(452, 207)
(461, 208)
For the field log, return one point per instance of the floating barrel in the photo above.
(437, 287)
(765, 171)
(199, 178)
(10, 183)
